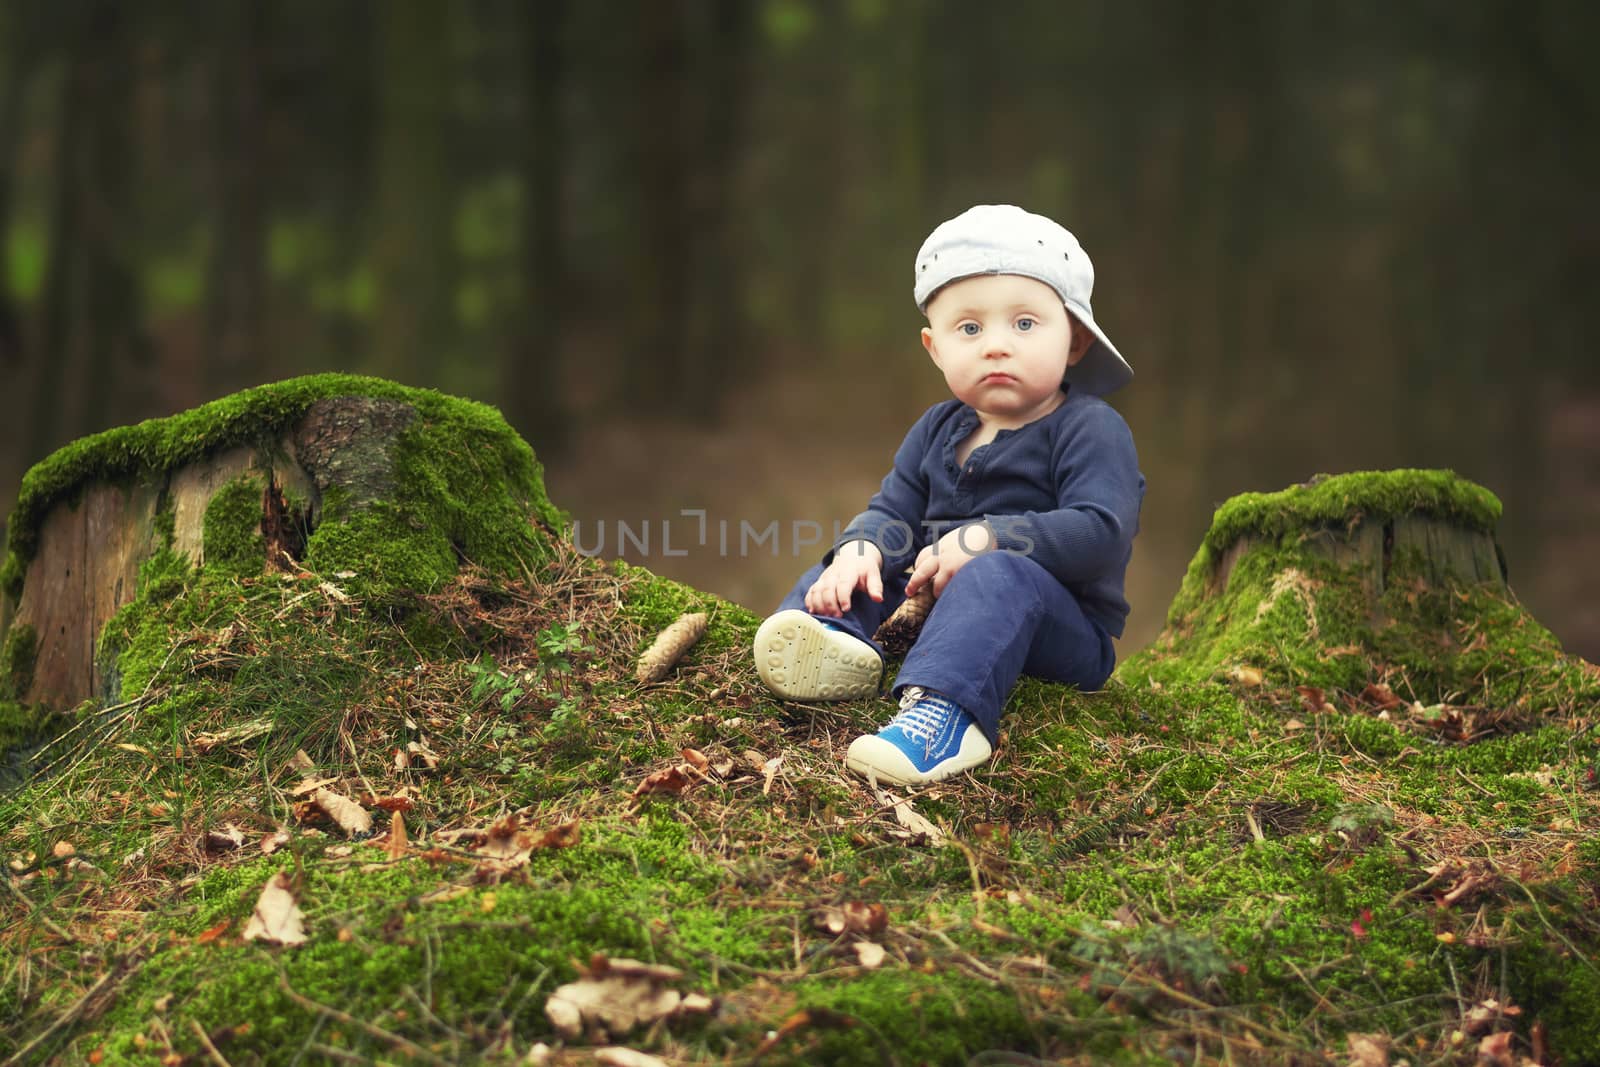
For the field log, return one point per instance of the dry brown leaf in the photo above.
(626, 1057)
(399, 802)
(419, 750)
(1381, 696)
(1247, 676)
(310, 785)
(907, 816)
(444, 893)
(1495, 1050)
(300, 761)
(852, 917)
(277, 919)
(62, 850)
(274, 841)
(226, 839)
(564, 835)
(614, 996)
(1312, 697)
(352, 818)
(240, 732)
(503, 840)
(397, 845)
(696, 757)
(1367, 1050)
(672, 781)
(770, 770)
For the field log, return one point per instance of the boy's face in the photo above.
(1003, 342)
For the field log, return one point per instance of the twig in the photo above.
(211, 1050)
(365, 1027)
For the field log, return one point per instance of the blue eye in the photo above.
(969, 328)
(1026, 324)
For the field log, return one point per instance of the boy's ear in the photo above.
(927, 343)
(1082, 341)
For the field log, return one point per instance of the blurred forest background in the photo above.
(672, 239)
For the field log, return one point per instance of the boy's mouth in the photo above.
(999, 378)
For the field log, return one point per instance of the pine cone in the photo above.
(670, 645)
(899, 631)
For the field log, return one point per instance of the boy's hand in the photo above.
(939, 562)
(856, 565)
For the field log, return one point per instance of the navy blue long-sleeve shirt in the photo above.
(1064, 490)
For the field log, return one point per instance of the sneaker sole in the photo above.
(801, 659)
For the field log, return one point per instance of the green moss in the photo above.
(17, 662)
(1335, 501)
(232, 528)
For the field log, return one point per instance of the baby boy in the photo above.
(1016, 501)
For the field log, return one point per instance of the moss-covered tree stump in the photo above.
(385, 487)
(1390, 579)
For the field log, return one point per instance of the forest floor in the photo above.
(454, 828)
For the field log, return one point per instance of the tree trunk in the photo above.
(237, 285)
(532, 395)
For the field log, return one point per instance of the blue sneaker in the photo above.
(933, 737)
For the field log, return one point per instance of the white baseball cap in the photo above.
(1004, 239)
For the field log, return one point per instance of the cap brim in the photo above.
(1102, 369)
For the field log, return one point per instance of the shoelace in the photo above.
(923, 716)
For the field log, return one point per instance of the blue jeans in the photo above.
(1000, 617)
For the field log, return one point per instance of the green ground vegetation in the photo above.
(1247, 849)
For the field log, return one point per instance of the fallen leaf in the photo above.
(277, 919)
(770, 770)
(274, 841)
(310, 785)
(420, 750)
(565, 835)
(907, 817)
(696, 757)
(1381, 696)
(614, 995)
(671, 781)
(207, 936)
(1248, 676)
(300, 761)
(394, 803)
(352, 818)
(240, 732)
(818, 1017)
(62, 850)
(1312, 697)
(397, 845)
(1495, 1050)
(226, 839)
(1367, 1050)
(444, 893)
(852, 917)
(870, 954)
(627, 1057)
